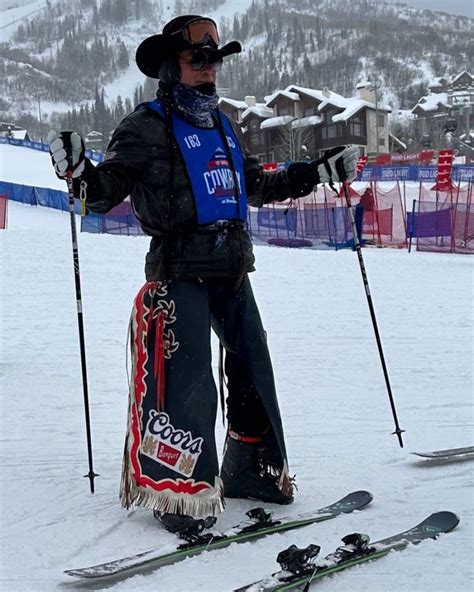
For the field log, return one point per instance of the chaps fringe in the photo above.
(209, 503)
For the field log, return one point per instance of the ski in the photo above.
(258, 525)
(300, 567)
(449, 453)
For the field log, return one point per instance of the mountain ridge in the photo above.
(68, 56)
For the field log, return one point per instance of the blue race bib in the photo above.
(209, 170)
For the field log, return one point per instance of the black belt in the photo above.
(221, 225)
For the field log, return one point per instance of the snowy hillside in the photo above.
(63, 53)
(332, 394)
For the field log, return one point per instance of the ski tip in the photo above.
(450, 453)
(362, 494)
(356, 500)
(365, 493)
(443, 521)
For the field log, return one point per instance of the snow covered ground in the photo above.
(332, 394)
(15, 12)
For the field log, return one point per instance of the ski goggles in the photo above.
(200, 31)
(199, 59)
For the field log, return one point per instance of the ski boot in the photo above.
(245, 474)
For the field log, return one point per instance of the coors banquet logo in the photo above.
(219, 178)
(171, 447)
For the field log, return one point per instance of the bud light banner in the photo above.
(426, 173)
(463, 173)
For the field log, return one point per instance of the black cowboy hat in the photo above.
(155, 49)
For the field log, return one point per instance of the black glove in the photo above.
(335, 166)
(67, 153)
(302, 177)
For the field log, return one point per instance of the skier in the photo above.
(190, 178)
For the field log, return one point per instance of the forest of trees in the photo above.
(69, 52)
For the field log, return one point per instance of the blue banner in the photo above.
(38, 196)
(92, 154)
(463, 173)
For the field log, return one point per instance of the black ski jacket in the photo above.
(140, 163)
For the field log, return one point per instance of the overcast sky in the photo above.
(465, 7)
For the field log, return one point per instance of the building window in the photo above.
(355, 126)
(381, 120)
(331, 131)
(284, 110)
(257, 139)
(254, 125)
(256, 135)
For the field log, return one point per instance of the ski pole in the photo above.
(80, 322)
(363, 271)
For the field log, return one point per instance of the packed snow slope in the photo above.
(332, 395)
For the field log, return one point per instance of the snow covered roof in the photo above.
(437, 83)
(352, 106)
(306, 121)
(17, 134)
(286, 119)
(234, 103)
(260, 110)
(320, 95)
(463, 73)
(282, 93)
(398, 141)
(276, 121)
(349, 105)
(431, 101)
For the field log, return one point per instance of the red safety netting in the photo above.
(3, 211)
(438, 220)
(459, 193)
(390, 208)
(463, 229)
(377, 226)
(443, 222)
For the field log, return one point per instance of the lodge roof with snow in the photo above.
(458, 91)
(432, 102)
(324, 95)
(242, 105)
(352, 106)
(271, 99)
(347, 107)
(260, 110)
(16, 134)
(462, 79)
(276, 121)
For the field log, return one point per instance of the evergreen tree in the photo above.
(119, 112)
(123, 61)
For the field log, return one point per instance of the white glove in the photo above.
(67, 153)
(338, 165)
